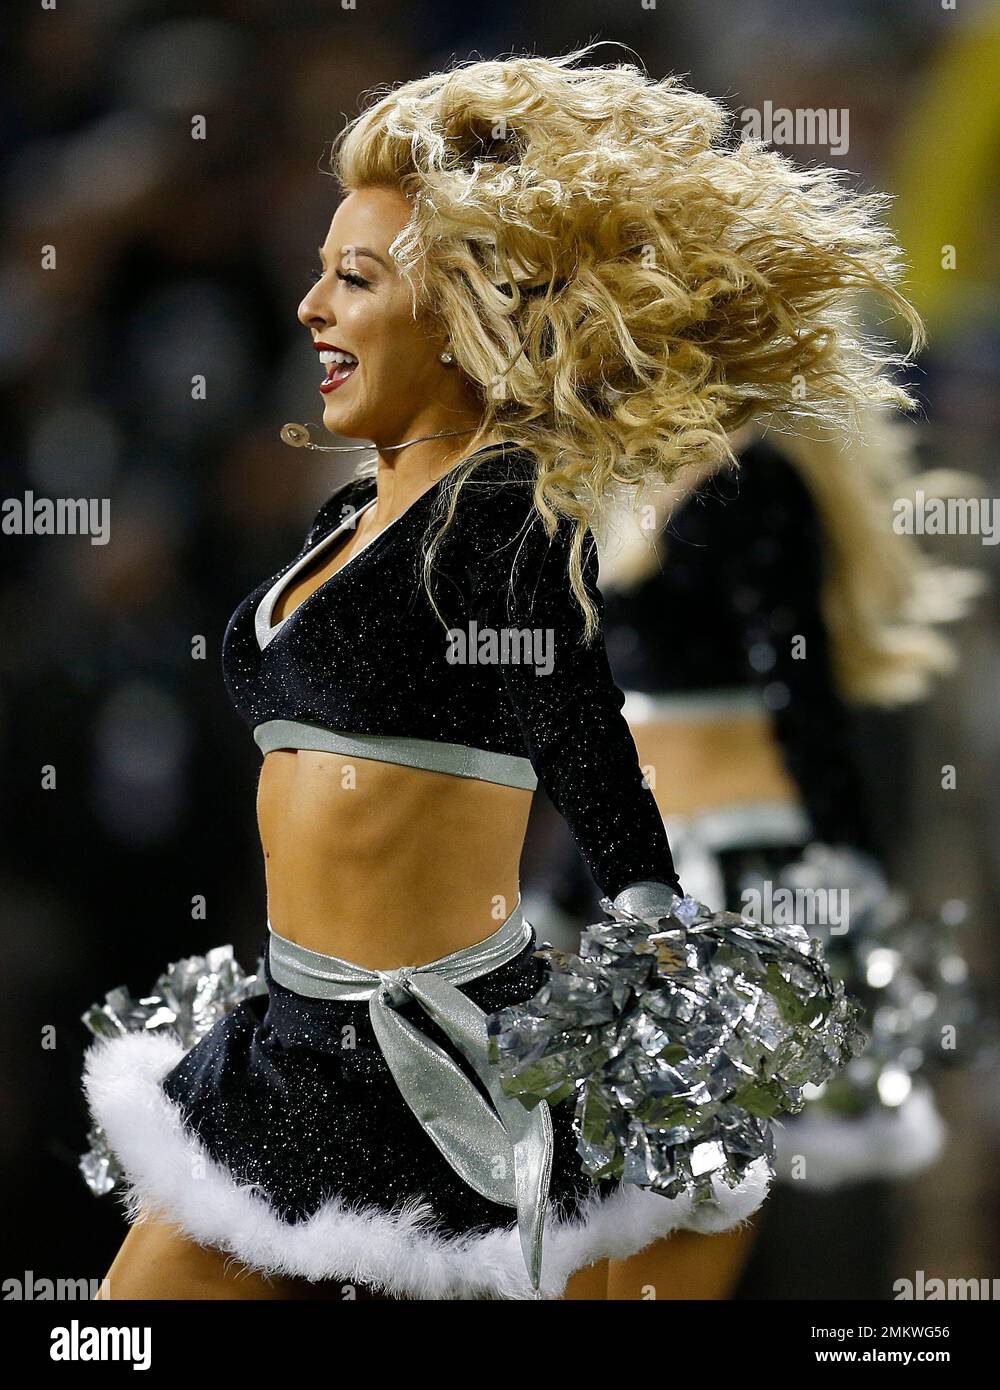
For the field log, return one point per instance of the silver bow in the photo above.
(503, 1152)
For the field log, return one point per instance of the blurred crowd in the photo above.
(163, 192)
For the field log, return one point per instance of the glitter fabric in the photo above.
(740, 579)
(294, 1095)
(266, 1123)
(366, 654)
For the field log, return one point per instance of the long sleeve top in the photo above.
(737, 603)
(506, 672)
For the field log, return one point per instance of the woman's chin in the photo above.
(343, 421)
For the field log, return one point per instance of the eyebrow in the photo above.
(358, 251)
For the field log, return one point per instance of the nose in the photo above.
(314, 312)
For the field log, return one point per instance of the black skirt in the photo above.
(282, 1138)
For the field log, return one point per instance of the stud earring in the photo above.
(446, 358)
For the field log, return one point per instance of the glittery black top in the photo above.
(737, 603)
(366, 654)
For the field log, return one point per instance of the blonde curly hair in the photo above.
(884, 595)
(623, 281)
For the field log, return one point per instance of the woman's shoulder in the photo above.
(504, 471)
(499, 521)
(763, 492)
(515, 565)
(768, 477)
(496, 498)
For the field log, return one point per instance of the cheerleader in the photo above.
(542, 278)
(784, 586)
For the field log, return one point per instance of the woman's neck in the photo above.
(405, 473)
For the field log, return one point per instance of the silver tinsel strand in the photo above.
(187, 1001)
(681, 1037)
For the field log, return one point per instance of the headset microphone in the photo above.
(298, 437)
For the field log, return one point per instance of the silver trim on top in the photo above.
(263, 626)
(743, 825)
(643, 708)
(456, 759)
(698, 840)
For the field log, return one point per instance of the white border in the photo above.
(883, 1144)
(169, 1171)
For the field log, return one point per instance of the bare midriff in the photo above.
(697, 765)
(377, 863)
(386, 865)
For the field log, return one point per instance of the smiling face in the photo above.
(361, 306)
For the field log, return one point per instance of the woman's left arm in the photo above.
(566, 701)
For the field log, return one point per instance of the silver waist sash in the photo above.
(503, 1151)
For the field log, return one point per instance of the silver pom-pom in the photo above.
(682, 1037)
(186, 1002)
(907, 972)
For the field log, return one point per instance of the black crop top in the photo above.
(365, 654)
(742, 565)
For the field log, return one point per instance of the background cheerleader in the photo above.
(770, 601)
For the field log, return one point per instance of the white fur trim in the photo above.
(399, 1252)
(883, 1144)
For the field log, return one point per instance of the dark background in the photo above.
(178, 256)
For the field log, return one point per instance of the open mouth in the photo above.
(339, 366)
